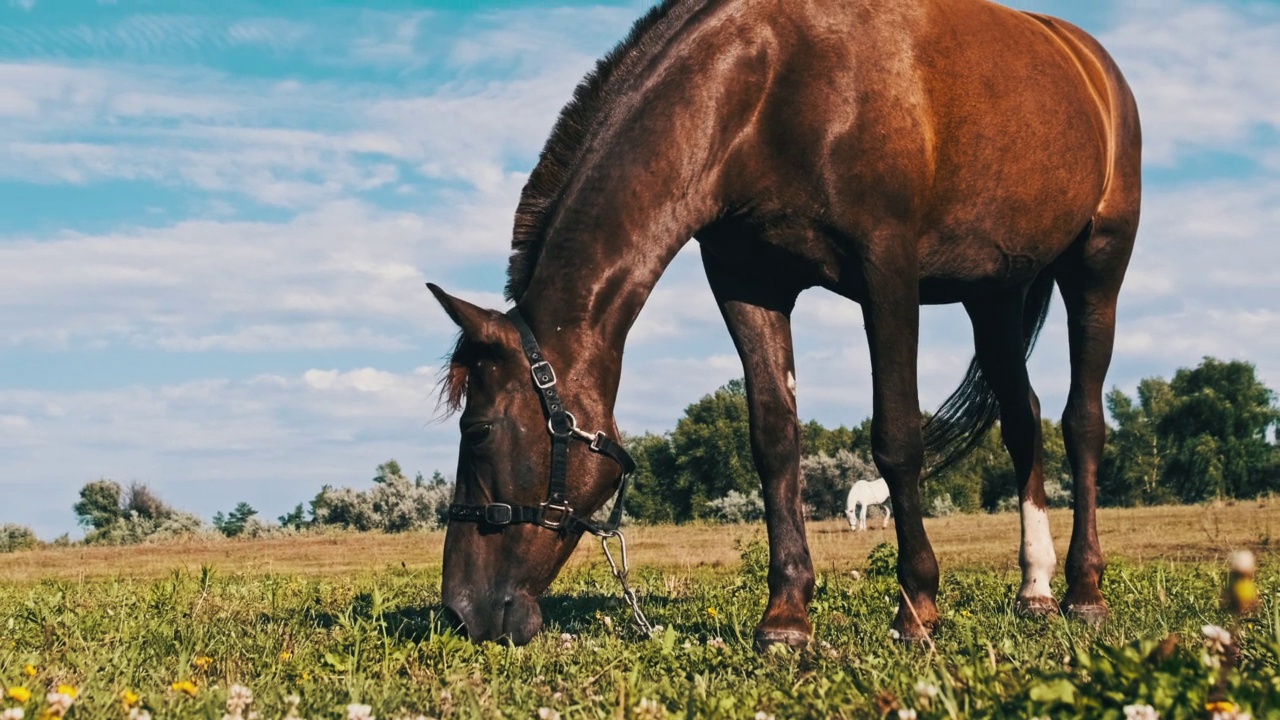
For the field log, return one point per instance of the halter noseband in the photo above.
(555, 513)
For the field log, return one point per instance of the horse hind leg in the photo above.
(1001, 354)
(1089, 277)
(758, 315)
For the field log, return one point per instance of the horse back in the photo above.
(986, 134)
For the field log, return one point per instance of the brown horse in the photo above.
(896, 152)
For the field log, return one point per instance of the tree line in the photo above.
(1207, 433)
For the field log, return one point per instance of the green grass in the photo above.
(376, 638)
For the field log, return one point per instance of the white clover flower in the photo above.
(855, 574)
(546, 713)
(58, 704)
(239, 698)
(926, 692)
(137, 713)
(1243, 562)
(762, 715)
(608, 621)
(906, 714)
(13, 714)
(1216, 639)
(1140, 712)
(566, 640)
(895, 634)
(650, 709)
(356, 711)
(716, 643)
(291, 704)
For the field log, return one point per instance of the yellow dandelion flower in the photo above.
(713, 613)
(285, 656)
(1221, 706)
(1246, 592)
(306, 676)
(202, 662)
(129, 698)
(186, 687)
(29, 671)
(19, 694)
(69, 690)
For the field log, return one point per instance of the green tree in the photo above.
(1133, 473)
(438, 480)
(1217, 428)
(100, 504)
(296, 518)
(233, 523)
(712, 446)
(657, 493)
(388, 471)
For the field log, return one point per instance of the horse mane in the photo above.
(591, 101)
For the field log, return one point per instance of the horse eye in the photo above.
(477, 433)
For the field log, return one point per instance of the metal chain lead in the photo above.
(621, 573)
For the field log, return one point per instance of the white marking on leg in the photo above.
(791, 383)
(1037, 556)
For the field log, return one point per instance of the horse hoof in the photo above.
(911, 635)
(793, 639)
(1035, 606)
(1091, 613)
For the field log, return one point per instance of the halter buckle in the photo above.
(544, 376)
(497, 514)
(555, 516)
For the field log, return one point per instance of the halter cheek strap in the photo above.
(555, 513)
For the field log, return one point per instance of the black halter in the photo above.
(555, 513)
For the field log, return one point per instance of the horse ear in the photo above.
(475, 321)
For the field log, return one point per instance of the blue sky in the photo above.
(216, 220)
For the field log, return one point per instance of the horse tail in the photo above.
(965, 417)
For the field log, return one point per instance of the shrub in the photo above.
(882, 561)
(392, 505)
(942, 506)
(736, 507)
(14, 538)
(827, 479)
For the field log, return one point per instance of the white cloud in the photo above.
(1203, 73)
(343, 275)
(207, 444)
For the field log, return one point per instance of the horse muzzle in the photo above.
(507, 617)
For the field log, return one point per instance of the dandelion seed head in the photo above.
(1242, 562)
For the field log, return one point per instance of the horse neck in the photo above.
(593, 277)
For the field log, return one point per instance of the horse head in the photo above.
(513, 525)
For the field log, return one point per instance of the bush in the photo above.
(14, 538)
(393, 505)
(827, 479)
(133, 529)
(882, 561)
(942, 506)
(737, 507)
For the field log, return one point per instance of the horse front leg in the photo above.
(759, 319)
(891, 312)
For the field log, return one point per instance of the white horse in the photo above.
(862, 494)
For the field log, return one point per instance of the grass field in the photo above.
(347, 619)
